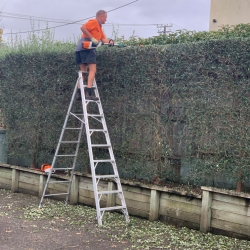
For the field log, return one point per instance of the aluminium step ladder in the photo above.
(98, 134)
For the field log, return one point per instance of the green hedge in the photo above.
(36, 90)
(184, 36)
(186, 101)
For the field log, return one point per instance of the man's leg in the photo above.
(91, 77)
(83, 68)
(92, 71)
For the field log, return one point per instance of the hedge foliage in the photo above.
(184, 36)
(161, 102)
(34, 95)
(183, 101)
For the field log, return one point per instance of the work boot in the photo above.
(78, 95)
(89, 96)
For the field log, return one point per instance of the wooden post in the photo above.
(74, 190)
(205, 221)
(111, 197)
(154, 205)
(240, 184)
(15, 180)
(42, 182)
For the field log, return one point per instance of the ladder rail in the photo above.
(105, 127)
(90, 148)
(58, 145)
(74, 163)
(112, 157)
(93, 166)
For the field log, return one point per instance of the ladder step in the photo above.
(76, 113)
(59, 182)
(67, 155)
(93, 87)
(98, 130)
(58, 169)
(112, 208)
(73, 128)
(55, 194)
(104, 160)
(95, 115)
(101, 145)
(110, 192)
(87, 101)
(69, 141)
(106, 176)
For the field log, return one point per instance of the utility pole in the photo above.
(164, 26)
(1, 32)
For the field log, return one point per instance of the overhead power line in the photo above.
(51, 20)
(69, 23)
(9, 14)
(33, 18)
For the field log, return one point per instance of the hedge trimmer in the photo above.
(91, 45)
(119, 44)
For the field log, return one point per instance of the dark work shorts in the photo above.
(86, 56)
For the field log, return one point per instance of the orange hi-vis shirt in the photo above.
(95, 29)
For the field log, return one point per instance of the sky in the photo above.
(126, 18)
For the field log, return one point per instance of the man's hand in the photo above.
(94, 41)
(111, 42)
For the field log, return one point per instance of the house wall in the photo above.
(228, 12)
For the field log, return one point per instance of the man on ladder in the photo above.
(95, 128)
(92, 36)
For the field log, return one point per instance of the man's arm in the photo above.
(86, 32)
